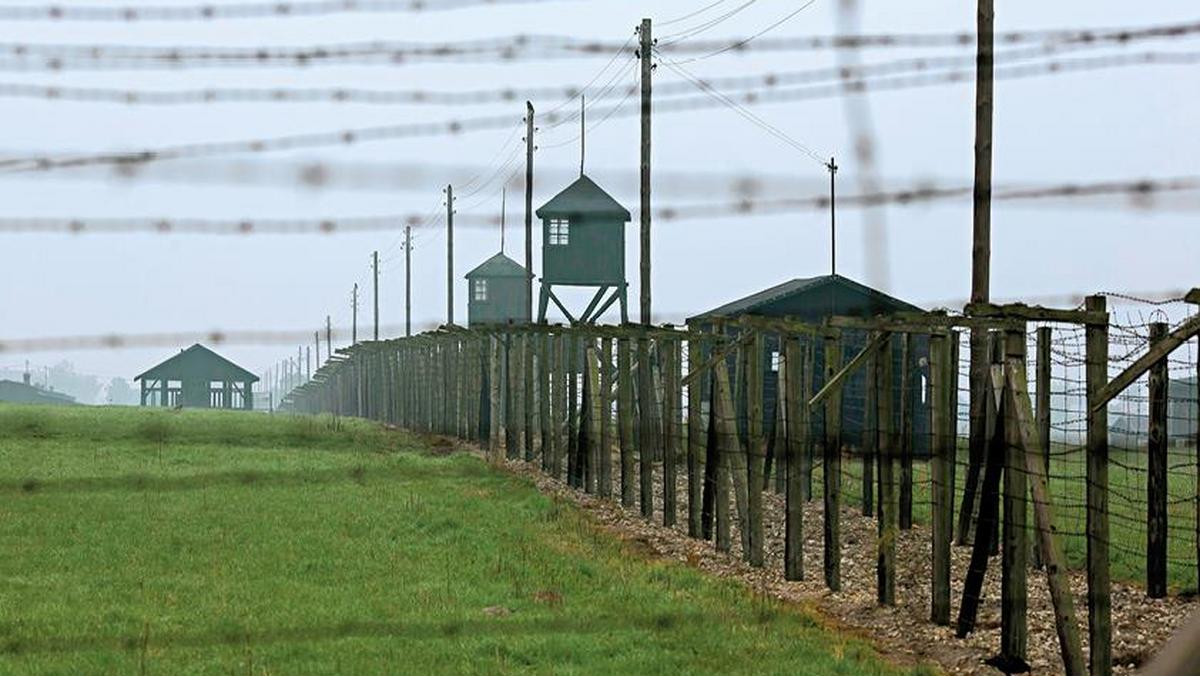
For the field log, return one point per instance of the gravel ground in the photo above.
(903, 632)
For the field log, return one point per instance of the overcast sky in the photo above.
(1093, 126)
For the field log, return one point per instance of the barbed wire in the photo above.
(35, 56)
(245, 10)
(349, 137)
(1138, 190)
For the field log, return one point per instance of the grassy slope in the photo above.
(168, 542)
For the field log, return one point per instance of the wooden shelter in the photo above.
(198, 378)
(813, 299)
(496, 293)
(583, 245)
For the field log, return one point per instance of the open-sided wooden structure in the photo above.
(198, 378)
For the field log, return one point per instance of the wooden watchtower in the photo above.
(496, 293)
(583, 244)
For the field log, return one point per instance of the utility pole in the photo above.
(981, 254)
(408, 280)
(328, 337)
(375, 270)
(299, 360)
(317, 341)
(308, 362)
(450, 254)
(354, 316)
(529, 210)
(647, 69)
(832, 167)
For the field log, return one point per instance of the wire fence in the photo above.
(849, 437)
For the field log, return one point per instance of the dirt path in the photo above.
(904, 632)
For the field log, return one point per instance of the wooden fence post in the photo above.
(941, 423)
(528, 399)
(696, 434)
(645, 426)
(793, 391)
(1042, 385)
(733, 457)
(589, 453)
(833, 470)
(625, 418)
(1013, 582)
(545, 377)
(885, 570)
(496, 417)
(870, 433)
(563, 404)
(669, 353)
(605, 401)
(905, 437)
(755, 447)
(1156, 474)
(574, 466)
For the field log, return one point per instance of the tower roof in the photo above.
(498, 266)
(583, 197)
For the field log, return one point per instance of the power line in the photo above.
(246, 10)
(766, 95)
(1140, 192)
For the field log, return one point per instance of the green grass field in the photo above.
(140, 541)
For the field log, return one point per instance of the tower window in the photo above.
(480, 290)
(560, 231)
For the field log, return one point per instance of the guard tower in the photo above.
(583, 244)
(496, 293)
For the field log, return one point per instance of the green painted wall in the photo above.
(594, 256)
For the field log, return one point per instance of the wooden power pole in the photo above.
(354, 315)
(408, 280)
(317, 342)
(529, 210)
(981, 254)
(450, 254)
(647, 70)
(328, 337)
(375, 274)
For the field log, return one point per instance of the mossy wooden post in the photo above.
(545, 379)
(720, 475)
(561, 395)
(793, 393)
(905, 437)
(941, 414)
(696, 440)
(1156, 474)
(755, 448)
(646, 427)
(512, 378)
(832, 452)
(625, 418)
(1013, 583)
(870, 434)
(732, 458)
(885, 569)
(497, 421)
(574, 466)
(1042, 409)
(669, 353)
(813, 441)
(606, 456)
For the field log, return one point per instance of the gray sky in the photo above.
(1106, 125)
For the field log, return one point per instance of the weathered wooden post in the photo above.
(833, 469)
(574, 466)
(870, 433)
(885, 569)
(905, 437)
(528, 399)
(625, 418)
(1042, 385)
(671, 404)
(589, 454)
(696, 439)
(1013, 582)
(496, 412)
(545, 376)
(605, 401)
(942, 377)
(645, 380)
(732, 457)
(794, 393)
(1156, 474)
(756, 447)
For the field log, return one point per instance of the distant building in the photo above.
(27, 393)
(583, 245)
(813, 299)
(496, 293)
(1131, 429)
(198, 378)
